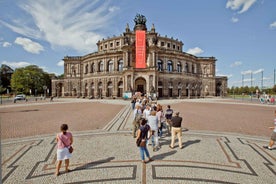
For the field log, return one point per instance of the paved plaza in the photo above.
(222, 143)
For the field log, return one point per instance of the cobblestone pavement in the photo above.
(213, 151)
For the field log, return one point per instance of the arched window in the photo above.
(159, 65)
(186, 67)
(111, 66)
(73, 71)
(179, 67)
(101, 66)
(169, 66)
(120, 65)
(93, 68)
(86, 69)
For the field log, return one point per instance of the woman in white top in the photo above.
(153, 123)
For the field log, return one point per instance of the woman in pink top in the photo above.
(64, 141)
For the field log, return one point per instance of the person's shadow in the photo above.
(94, 163)
(163, 155)
(189, 143)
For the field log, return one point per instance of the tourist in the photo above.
(176, 130)
(273, 135)
(141, 140)
(64, 141)
(153, 123)
(161, 119)
(137, 115)
(168, 115)
(147, 111)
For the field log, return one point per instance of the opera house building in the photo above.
(139, 60)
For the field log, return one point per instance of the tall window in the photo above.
(120, 65)
(86, 69)
(110, 66)
(186, 67)
(169, 66)
(101, 66)
(159, 65)
(92, 67)
(179, 68)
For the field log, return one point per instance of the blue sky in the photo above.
(241, 34)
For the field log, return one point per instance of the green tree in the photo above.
(30, 80)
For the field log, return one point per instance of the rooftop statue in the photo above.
(140, 19)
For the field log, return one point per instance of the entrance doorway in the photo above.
(140, 85)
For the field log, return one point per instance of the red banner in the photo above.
(140, 49)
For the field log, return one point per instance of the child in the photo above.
(273, 136)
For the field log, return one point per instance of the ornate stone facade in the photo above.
(111, 71)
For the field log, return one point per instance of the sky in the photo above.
(240, 34)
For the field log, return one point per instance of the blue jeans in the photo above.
(142, 151)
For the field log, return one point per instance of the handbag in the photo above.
(70, 148)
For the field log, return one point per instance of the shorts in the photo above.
(273, 136)
(63, 154)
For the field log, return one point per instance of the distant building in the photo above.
(139, 61)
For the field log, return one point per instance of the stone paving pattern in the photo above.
(222, 143)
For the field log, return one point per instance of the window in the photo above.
(86, 69)
(159, 65)
(92, 68)
(169, 66)
(120, 65)
(105, 46)
(101, 66)
(110, 66)
(179, 68)
(117, 43)
(168, 45)
(173, 46)
(111, 44)
(186, 67)
(162, 44)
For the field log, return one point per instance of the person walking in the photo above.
(273, 135)
(161, 119)
(153, 123)
(141, 140)
(137, 115)
(64, 141)
(176, 130)
(168, 115)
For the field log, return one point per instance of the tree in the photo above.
(30, 80)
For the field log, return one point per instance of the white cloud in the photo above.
(29, 45)
(60, 63)
(73, 24)
(6, 44)
(16, 64)
(273, 25)
(236, 63)
(195, 51)
(234, 19)
(242, 5)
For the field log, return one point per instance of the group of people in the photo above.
(149, 123)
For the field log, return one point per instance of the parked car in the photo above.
(20, 97)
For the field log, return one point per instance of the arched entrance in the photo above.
(140, 85)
